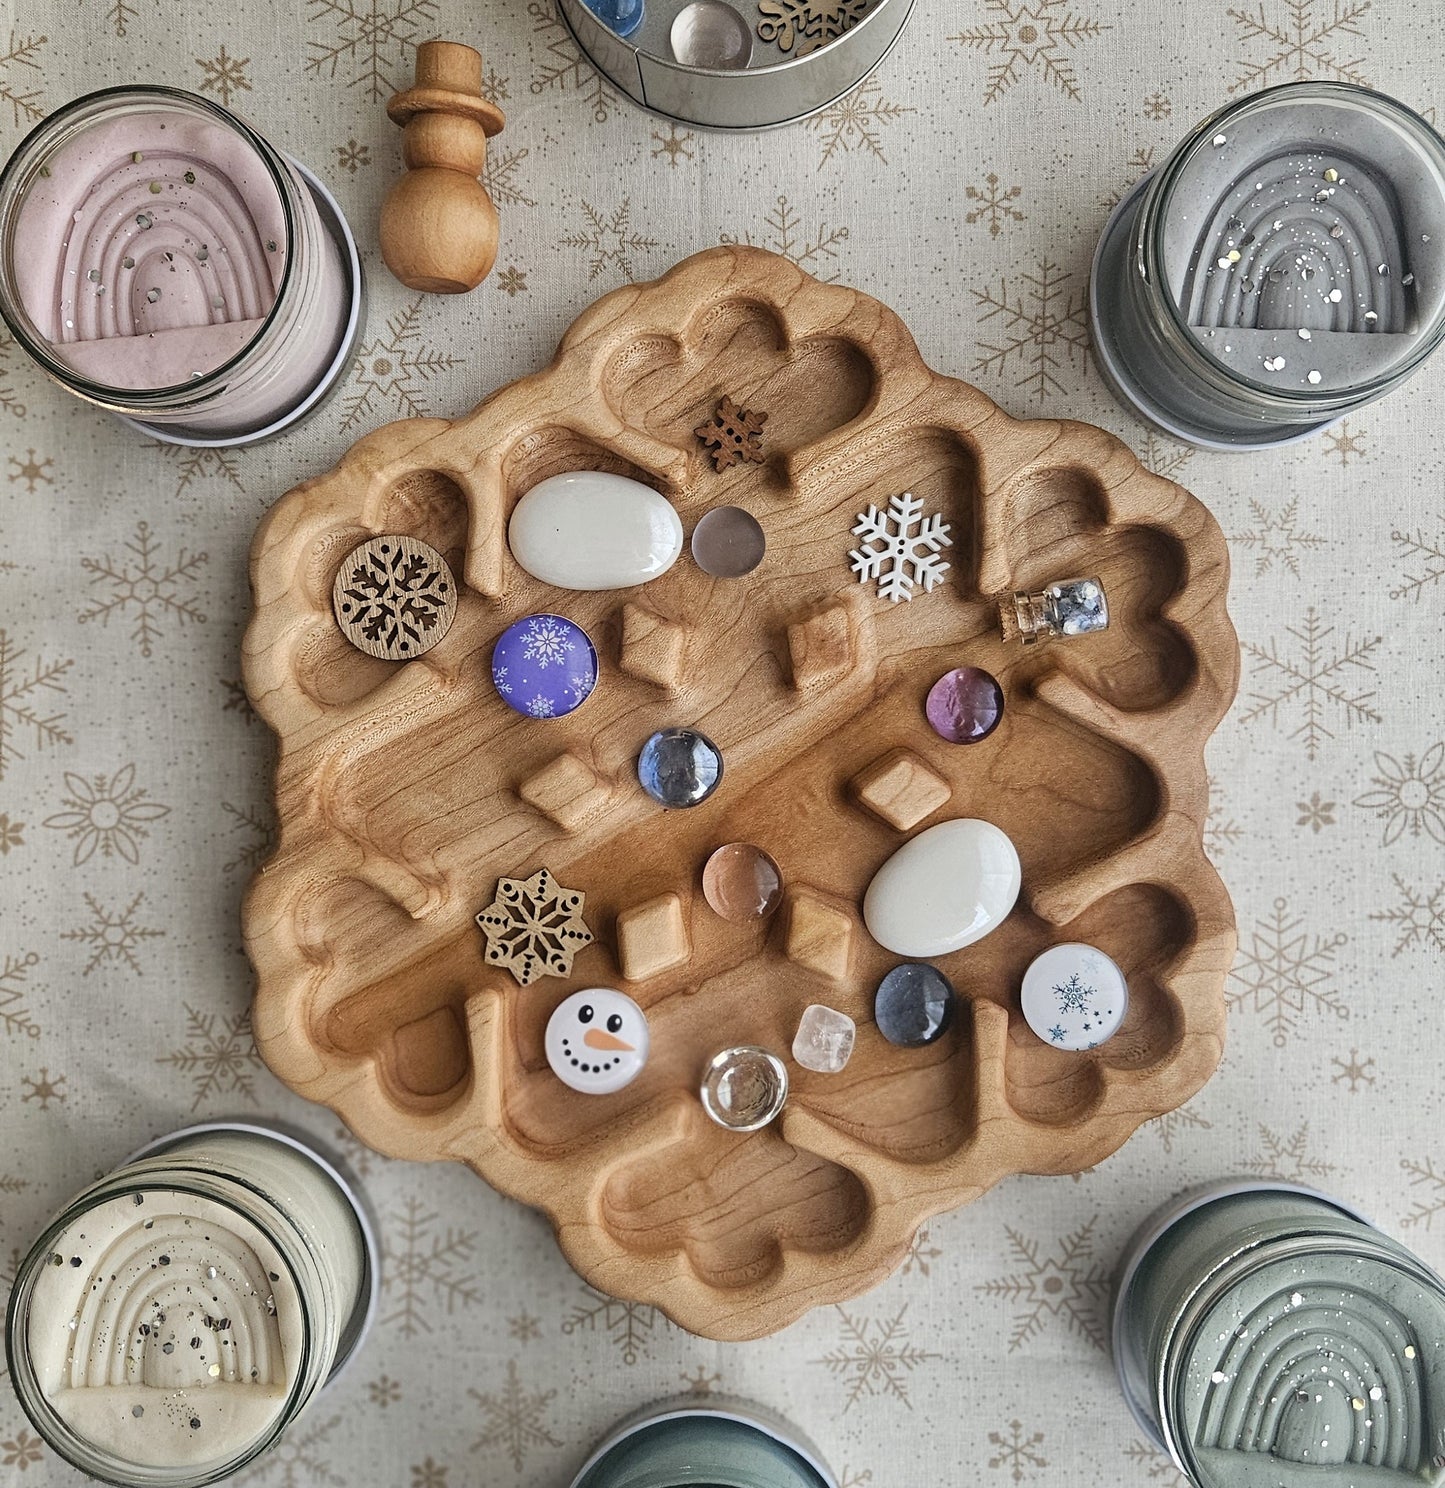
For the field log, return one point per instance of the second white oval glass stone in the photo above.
(592, 530)
(943, 890)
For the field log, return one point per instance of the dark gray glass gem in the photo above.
(914, 1005)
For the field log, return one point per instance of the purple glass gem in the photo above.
(544, 666)
(965, 705)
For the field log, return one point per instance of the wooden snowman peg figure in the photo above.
(438, 225)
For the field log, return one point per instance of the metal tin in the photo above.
(1197, 1259)
(764, 94)
(726, 1442)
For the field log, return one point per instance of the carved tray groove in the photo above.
(405, 790)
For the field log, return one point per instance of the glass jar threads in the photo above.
(1283, 268)
(159, 258)
(179, 1314)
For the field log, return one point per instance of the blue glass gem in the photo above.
(914, 1005)
(621, 16)
(544, 666)
(679, 767)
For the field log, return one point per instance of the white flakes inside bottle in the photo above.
(1274, 364)
(127, 263)
(93, 275)
(1332, 174)
(1220, 139)
(1408, 279)
(1314, 379)
(143, 220)
(1337, 231)
(1371, 315)
(1335, 297)
(152, 295)
(1304, 334)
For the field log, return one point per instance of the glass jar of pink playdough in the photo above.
(159, 258)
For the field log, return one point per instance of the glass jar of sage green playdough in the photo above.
(723, 1443)
(1267, 1336)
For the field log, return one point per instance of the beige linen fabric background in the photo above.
(965, 185)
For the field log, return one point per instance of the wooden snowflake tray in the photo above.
(406, 790)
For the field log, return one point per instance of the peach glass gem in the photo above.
(741, 882)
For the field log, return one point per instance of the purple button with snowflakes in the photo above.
(1074, 997)
(544, 666)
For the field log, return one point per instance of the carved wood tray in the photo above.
(405, 790)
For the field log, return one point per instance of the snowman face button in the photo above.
(597, 1041)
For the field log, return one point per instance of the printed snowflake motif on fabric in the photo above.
(44, 1088)
(628, 1325)
(515, 1419)
(1425, 553)
(1074, 995)
(1016, 1453)
(144, 583)
(609, 242)
(875, 1356)
(1066, 1285)
(1026, 36)
(1282, 972)
(1299, 39)
(733, 435)
(15, 1016)
(786, 234)
(1424, 1174)
(1287, 1159)
(219, 1055)
(807, 24)
(372, 42)
(302, 1459)
(34, 470)
(390, 371)
(1318, 677)
(112, 934)
(856, 122)
(20, 692)
(562, 68)
(1418, 918)
(1042, 329)
(1409, 795)
(395, 596)
(898, 558)
(534, 927)
(25, 103)
(547, 643)
(424, 1264)
(106, 813)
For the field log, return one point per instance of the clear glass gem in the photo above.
(742, 883)
(914, 1005)
(824, 1040)
(679, 767)
(744, 1088)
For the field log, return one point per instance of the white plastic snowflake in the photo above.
(896, 556)
(540, 707)
(547, 642)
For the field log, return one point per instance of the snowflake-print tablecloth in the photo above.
(965, 185)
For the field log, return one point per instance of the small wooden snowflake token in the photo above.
(534, 927)
(733, 435)
(807, 24)
(394, 597)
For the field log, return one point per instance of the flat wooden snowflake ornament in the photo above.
(807, 24)
(534, 927)
(394, 597)
(733, 435)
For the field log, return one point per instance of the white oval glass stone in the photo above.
(592, 530)
(943, 890)
(1074, 996)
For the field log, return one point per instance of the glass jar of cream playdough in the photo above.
(177, 1316)
(1265, 1334)
(1284, 267)
(159, 258)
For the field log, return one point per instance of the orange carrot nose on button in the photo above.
(595, 1038)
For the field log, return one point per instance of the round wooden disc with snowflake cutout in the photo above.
(394, 597)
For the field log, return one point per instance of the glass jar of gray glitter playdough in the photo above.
(1265, 1334)
(714, 1443)
(178, 1315)
(1284, 267)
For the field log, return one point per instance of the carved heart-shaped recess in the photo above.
(406, 790)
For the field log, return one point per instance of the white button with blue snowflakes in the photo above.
(544, 666)
(1074, 997)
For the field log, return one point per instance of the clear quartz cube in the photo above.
(824, 1040)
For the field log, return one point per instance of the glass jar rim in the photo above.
(17, 176)
(53, 1428)
(1154, 214)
